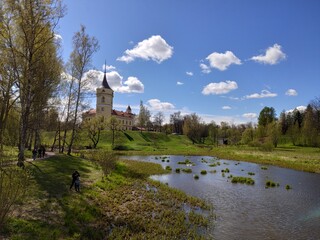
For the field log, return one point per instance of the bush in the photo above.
(106, 160)
(13, 184)
(203, 172)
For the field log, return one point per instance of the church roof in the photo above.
(105, 82)
(122, 114)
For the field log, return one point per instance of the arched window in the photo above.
(103, 99)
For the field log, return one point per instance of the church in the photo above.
(104, 107)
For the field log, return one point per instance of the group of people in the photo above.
(38, 152)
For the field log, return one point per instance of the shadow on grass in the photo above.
(53, 175)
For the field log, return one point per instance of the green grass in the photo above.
(246, 180)
(153, 143)
(124, 205)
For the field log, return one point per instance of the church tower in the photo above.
(104, 96)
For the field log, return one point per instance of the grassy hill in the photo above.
(154, 143)
(144, 142)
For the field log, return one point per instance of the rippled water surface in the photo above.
(250, 212)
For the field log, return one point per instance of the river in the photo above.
(249, 211)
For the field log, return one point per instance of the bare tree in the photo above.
(158, 120)
(84, 47)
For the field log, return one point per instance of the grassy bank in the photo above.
(152, 143)
(125, 205)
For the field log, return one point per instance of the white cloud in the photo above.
(226, 107)
(272, 56)
(299, 108)
(180, 83)
(108, 67)
(157, 105)
(291, 92)
(205, 68)
(219, 88)
(263, 94)
(222, 61)
(57, 37)
(249, 115)
(189, 73)
(115, 81)
(154, 48)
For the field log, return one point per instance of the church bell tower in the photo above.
(104, 96)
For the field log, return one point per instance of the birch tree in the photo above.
(84, 47)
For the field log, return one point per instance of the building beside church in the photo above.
(104, 107)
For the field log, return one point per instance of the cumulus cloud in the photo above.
(157, 105)
(108, 67)
(291, 92)
(249, 115)
(263, 94)
(226, 107)
(189, 73)
(205, 68)
(273, 55)
(154, 48)
(299, 108)
(219, 88)
(222, 61)
(180, 83)
(115, 81)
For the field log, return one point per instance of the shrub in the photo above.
(203, 172)
(196, 177)
(177, 170)
(106, 160)
(168, 168)
(13, 185)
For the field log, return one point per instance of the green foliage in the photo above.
(196, 176)
(270, 183)
(245, 180)
(203, 172)
(106, 160)
(187, 170)
(13, 185)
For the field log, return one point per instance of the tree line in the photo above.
(297, 127)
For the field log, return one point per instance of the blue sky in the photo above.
(222, 59)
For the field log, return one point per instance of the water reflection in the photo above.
(250, 211)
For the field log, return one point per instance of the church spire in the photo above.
(105, 82)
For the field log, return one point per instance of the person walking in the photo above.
(75, 176)
(34, 154)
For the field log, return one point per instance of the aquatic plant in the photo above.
(203, 172)
(168, 168)
(177, 170)
(244, 180)
(225, 170)
(270, 183)
(251, 173)
(264, 168)
(288, 187)
(187, 170)
(196, 176)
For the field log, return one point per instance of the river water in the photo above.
(250, 211)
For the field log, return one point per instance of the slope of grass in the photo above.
(125, 205)
(152, 143)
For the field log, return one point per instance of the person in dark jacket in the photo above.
(75, 176)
